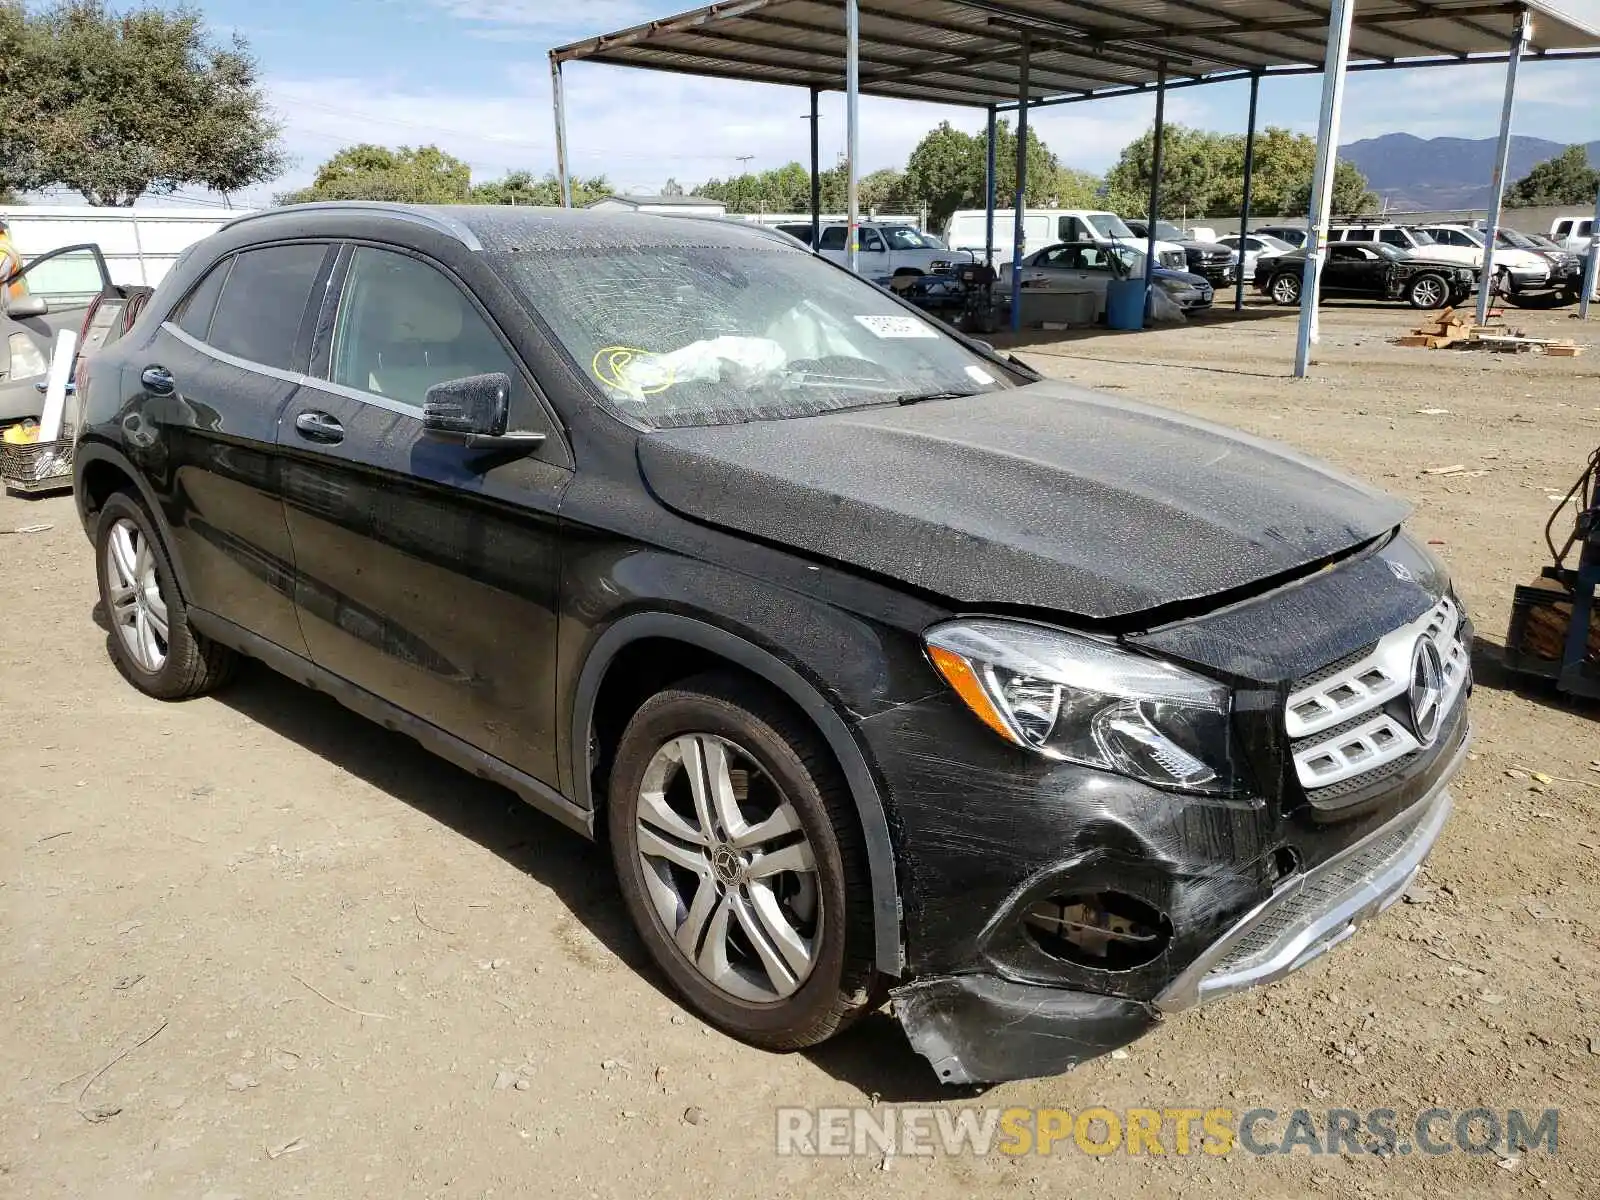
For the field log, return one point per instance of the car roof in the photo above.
(508, 227)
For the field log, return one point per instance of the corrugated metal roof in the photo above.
(969, 51)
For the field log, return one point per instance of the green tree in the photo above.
(946, 170)
(780, 189)
(882, 191)
(115, 105)
(1194, 165)
(1079, 189)
(420, 175)
(1202, 173)
(1565, 179)
(520, 187)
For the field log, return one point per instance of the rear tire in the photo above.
(151, 641)
(780, 959)
(1284, 288)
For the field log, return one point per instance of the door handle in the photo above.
(319, 427)
(157, 381)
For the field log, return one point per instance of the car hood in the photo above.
(1047, 496)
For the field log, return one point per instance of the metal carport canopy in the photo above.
(1023, 54)
(969, 52)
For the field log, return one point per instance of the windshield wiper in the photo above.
(919, 397)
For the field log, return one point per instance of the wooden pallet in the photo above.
(1454, 329)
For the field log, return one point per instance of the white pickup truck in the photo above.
(1573, 233)
(890, 250)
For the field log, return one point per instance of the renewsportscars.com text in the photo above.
(978, 1131)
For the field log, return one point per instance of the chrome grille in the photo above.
(1338, 718)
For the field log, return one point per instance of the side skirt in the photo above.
(447, 746)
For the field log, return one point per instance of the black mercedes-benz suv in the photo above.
(883, 666)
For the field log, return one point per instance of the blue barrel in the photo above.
(1125, 304)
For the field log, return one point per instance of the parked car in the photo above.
(1374, 271)
(1091, 266)
(1413, 241)
(55, 291)
(1574, 233)
(1295, 235)
(888, 250)
(1251, 249)
(1046, 226)
(1212, 260)
(1516, 268)
(884, 665)
(1566, 270)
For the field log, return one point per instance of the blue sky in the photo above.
(472, 77)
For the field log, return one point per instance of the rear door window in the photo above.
(263, 299)
(832, 238)
(1395, 237)
(193, 315)
(1360, 235)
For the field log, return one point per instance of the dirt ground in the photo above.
(253, 946)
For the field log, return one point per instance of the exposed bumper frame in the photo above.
(1323, 927)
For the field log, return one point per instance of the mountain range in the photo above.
(1426, 174)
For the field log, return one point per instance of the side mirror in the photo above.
(474, 410)
(18, 307)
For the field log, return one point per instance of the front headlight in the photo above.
(1078, 700)
(1173, 285)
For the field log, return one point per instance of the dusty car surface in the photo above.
(884, 666)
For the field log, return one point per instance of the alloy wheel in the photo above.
(728, 868)
(1285, 289)
(138, 611)
(1428, 292)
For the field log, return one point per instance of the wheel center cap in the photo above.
(728, 864)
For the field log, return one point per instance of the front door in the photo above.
(1349, 270)
(426, 573)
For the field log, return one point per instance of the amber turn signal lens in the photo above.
(958, 673)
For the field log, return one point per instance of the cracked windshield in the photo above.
(713, 336)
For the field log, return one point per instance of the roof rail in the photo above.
(418, 214)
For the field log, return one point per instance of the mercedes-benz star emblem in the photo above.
(1427, 690)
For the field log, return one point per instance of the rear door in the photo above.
(427, 574)
(203, 422)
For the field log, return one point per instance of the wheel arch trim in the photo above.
(888, 947)
(87, 453)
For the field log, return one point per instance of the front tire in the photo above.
(151, 642)
(1428, 291)
(736, 846)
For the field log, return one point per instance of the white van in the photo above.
(1043, 227)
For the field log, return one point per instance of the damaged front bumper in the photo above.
(983, 1027)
